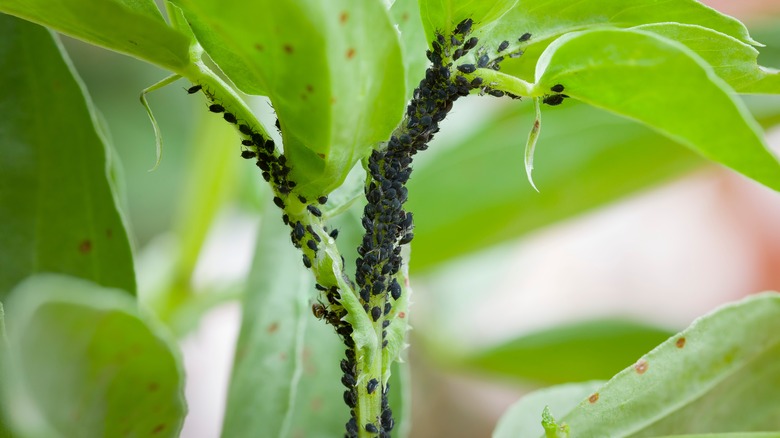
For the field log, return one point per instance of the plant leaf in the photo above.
(718, 375)
(59, 212)
(522, 419)
(660, 83)
(82, 361)
(444, 15)
(574, 352)
(406, 15)
(286, 374)
(333, 71)
(132, 27)
(547, 19)
(732, 60)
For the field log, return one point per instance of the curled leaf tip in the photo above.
(530, 145)
(157, 134)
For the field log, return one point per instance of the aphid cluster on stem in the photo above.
(557, 98)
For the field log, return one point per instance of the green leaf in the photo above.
(444, 15)
(56, 203)
(574, 352)
(83, 362)
(719, 375)
(522, 419)
(660, 83)
(732, 60)
(586, 158)
(132, 27)
(729, 435)
(333, 71)
(286, 376)
(547, 19)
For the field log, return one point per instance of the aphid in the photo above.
(318, 310)
(555, 99)
(348, 380)
(408, 236)
(365, 294)
(216, 108)
(558, 88)
(470, 44)
(316, 237)
(395, 289)
(248, 154)
(371, 428)
(286, 219)
(306, 261)
(503, 46)
(455, 41)
(496, 93)
(322, 199)
(319, 286)
(464, 26)
(230, 118)
(525, 37)
(385, 323)
(257, 139)
(194, 89)
(245, 129)
(476, 82)
(350, 398)
(388, 308)
(346, 366)
(314, 210)
(372, 385)
(302, 199)
(387, 418)
(376, 313)
(457, 54)
(461, 80)
(312, 245)
(278, 201)
(467, 68)
(483, 60)
(378, 288)
(263, 165)
(440, 38)
(334, 234)
(517, 54)
(269, 146)
(384, 343)
(266, 176)
(247, 143)
(278, 125)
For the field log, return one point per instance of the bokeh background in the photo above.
(661, 239)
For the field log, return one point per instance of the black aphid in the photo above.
(395, 289)
(318, 310)
(457, 54)
(248, 154)
(245, 129)
(408, 236)
(503, 46)
(350, 398)
(319, 286)
(266, 176)
(440, 38)
(194, 89)
(314, 210)
(496, 93)
(372, 385)
(471, 43)
(483, 60)
(384, 343)
(278, 201)
(467, 68)
(312, 245)
(525, 37)
(286, 219)
(346, 367)
(464, 26)
(348, 380)
(385, 323)
(476, 82)
(322, 199)
(554, 99)
(216, 108)
(371, 428)
(376, 313)
(306, 261)
(558, 88)
(230, 117)
(388, 308)
(334, 234)
(455, 41)
(247, 143)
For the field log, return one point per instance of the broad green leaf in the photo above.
(414, 43)
(286, 376)
(547, 19)
(586, 158)
(132, 27)
(719, 375)
(83, 362)
(660, 83)
(586, 350)
(732, 60)
(523, 419)
(56, 203)
(444, 15)
(333, 71)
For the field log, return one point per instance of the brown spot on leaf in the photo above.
(154, 386)
(316, 404)
(321, 155)
(310, 88)
(641, 366)
(405, 16)
(288, 48)
(402, 315)
(159, 428)
(283, 356)
(259, 47)
(343, 17)
(273, 327)
(680, 342)
(85, 247)
(594, 397)
(109, 233)
(350, 53)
